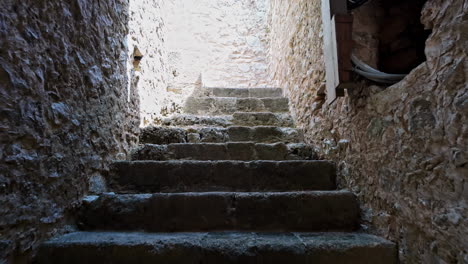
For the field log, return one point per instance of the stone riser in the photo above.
(236, 119)
(178, 212)
(241, 92)
(230, 105)
(224, 151)
(259, 134)
(217, 248)
(192, 176)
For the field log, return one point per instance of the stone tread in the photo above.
(186, 175)
(236, 119)
(259, 134)
(216, 248)
(210, 211)
(241, 92)
(224, 151)
(230, 105)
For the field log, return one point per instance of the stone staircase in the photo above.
(230, 181)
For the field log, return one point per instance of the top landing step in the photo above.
(242, 92)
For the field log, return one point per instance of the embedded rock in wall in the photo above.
(65, 111)
(401, 149)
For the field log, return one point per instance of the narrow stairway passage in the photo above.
(228, 181)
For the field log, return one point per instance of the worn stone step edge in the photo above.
(240, 92)
(216, 248)
(229, 105)
(209, 211)
(236, 119)
(225, 151)
(260, 134)
(188, 175)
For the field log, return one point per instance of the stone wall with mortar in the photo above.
(65, 111)
(402, 149)
(220, 43)
(147, 37)
(295, 53)
(187, 44)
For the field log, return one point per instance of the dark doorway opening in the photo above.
(402, 37)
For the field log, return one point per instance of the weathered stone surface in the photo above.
(236, 119)
(224, 151)
(197, 211)
(223, 43)
(65, 110)
(229, 105)
(70, 101)
(198, 120)
(217, 247)
(5, 247)
(263, 119)
(399, 148)
(296, 52)
(241, 92)
(191, 176)
(163, 135)
(150, 75)
(264, 134)
(179, 59)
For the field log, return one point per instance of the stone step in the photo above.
(201, 211)
(236, 119)
(241, 92)
(263, 119)
(206, 176)
(217, 248)
(229, 105)
(260, 134)
(225, 151)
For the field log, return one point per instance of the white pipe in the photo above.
(373, 74)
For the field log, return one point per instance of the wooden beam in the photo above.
(343, 32)
(337, 29)
(328, 49)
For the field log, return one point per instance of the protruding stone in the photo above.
(192, 176)
(198, 211)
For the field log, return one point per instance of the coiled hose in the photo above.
(353, 4)
(374, 75)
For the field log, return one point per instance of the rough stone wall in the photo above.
(224, 41)
(402, 149)
(148, 35)
(296, 53)
(187, 44)
(64, 109)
